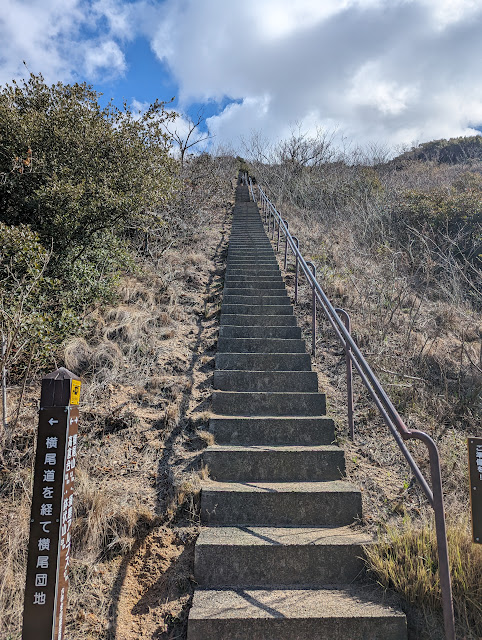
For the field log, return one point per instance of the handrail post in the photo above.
(313, 310)
(4, 383)
(349, 373)
(274, 224)
(297, 268)
(286, 246)
(279, 235)
(441, 532)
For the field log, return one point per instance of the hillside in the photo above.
(453, 151)
(128, 297)
(398, 247)
(146, 361)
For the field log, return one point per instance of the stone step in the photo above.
(244, 256)
(259, 283)
(242, 253)
(272, 265)
(252, 251)
(291, 504)
(251, 260)
(262, 463)
(264, 361)
(255, 260)
(344, 613)
(257, 309)
(269, 298)
(281, 556)
(236, 380)
(295, 430)
(260, 345)
(255, 293)
(254, 276)
(251, 319)
(239, 290)
(253, 272)
(247, 261)
(259, 403)
(253, 246)
(248, 266)
(233, 331)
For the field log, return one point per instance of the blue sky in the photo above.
(145, 79)
(389, 72)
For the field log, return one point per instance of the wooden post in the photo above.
(4, 383)
(51, 516)
(475, 479)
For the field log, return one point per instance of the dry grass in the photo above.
(423, 340)
(14, 533)
(146, 364)
(406, 561)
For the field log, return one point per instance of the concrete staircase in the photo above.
(277, 558)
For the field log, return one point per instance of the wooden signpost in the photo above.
(475, 479)
(51, 515)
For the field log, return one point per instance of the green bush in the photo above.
(77, 173)
(76, 183)
(26, 312)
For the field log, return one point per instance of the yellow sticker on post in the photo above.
(75, 392)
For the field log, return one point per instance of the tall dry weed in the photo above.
(406, 562)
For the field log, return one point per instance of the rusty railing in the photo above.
(340, 322)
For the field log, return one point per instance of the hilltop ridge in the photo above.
(451, 151)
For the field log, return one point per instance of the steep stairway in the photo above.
(277, 557)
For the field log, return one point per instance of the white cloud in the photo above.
(370, 88)
(36, 32)
(447, 12)
(392, 71)
(118, 17)
(50, 35)
(106, 57)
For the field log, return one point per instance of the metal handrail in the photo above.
(391, 417)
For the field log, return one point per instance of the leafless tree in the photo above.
(187, 140)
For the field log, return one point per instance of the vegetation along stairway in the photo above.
(278, 556)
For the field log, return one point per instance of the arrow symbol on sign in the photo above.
(52, 422)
